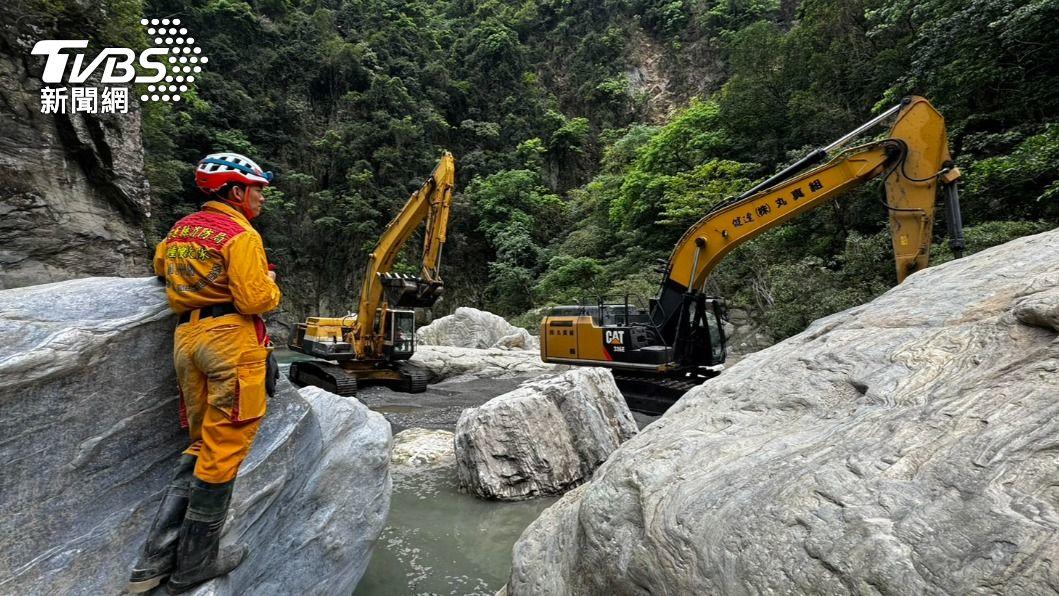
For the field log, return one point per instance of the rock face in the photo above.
(418, 449)
(906, 446)
(445, 362)
(744, 336)
(542, 438)
(473, 328)
(73, 193)
(88, 410)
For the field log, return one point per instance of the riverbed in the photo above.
(437, 540)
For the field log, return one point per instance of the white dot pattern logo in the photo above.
(181, 50)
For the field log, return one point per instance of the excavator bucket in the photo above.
(409, 291)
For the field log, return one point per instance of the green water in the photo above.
(438, 541)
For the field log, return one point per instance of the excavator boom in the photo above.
(431, 203)
(914, 156)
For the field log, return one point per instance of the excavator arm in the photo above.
(431, 203)
(914, 158)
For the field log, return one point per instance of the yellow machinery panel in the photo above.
(590, 340)
(559, 337)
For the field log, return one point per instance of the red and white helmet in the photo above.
(217, 169)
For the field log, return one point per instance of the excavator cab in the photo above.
(706, 334)
(400, 341)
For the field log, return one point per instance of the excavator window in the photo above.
(402, 325)
(716, 338)
(565, 311)
(629, 311)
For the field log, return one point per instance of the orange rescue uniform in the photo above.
(211, 258)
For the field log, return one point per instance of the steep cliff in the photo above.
(73, 193)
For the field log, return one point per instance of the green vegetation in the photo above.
(589, 134)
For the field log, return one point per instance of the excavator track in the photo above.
(653, 395)
(414, 378)
(325, 375)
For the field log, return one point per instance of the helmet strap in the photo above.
(243, 205)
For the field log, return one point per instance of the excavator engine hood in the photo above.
(409, 291)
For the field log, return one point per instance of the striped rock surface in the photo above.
(543, 438)
(905, 446)
(88, 416)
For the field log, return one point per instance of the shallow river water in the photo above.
(438, 541)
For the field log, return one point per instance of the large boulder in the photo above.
(906, 446)
(473, 328)
(73, 192)
(418, 450)
(542, 438)
(446, 362)
(89, 415)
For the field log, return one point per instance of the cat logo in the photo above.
(615, 338)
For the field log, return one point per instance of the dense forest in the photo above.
(590, 134)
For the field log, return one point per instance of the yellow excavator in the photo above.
(678, 339)
(373, 345)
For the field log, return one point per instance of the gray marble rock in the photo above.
(744, 336)
(447, 362)
(422, 449)
(88, 412)
(543, 438)
(905, 446)
(73, 191)
(423, 463)
(473, 328)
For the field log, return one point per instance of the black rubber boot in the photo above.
(158, 556)
(199, 556)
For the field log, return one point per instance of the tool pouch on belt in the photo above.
(248, 397)
(271, 374)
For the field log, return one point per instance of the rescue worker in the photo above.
(218, 282)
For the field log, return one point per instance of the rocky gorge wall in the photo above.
(905, 446)
(73, 192)
(88, 416)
